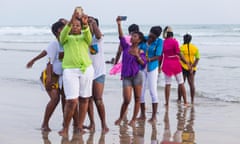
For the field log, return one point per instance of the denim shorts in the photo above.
(100, 79)
(133, 81)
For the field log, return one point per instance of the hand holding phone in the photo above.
(79, 10)
(123, 18)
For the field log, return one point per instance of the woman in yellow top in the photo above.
(192, 56)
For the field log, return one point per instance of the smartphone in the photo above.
(123, 18)
(79, 10)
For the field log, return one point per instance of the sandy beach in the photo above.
(208, 121)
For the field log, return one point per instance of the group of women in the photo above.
(144, 57)
(76, 63)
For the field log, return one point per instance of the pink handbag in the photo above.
(117, 68)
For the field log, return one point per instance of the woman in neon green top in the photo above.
(192, 56)
(78, 71)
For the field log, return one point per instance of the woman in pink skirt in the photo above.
(171, 64)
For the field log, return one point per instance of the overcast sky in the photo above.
(45, 12)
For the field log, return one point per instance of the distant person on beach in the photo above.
(77, 69)
(192, 56)
(133, 60)
(153, 50)
(51, 77)
(171, 64)
(112, 61)
(97, 57)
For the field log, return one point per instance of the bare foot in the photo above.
(187, 105)
(91, 128)
(63, 133)
(152, 120)
(45, 129)
(141, 118)
(105, 130)
(166, 105)
(132, 123)
(75, 130)
(81, 131)
(117, 122)
(178, 101)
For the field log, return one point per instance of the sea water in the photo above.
(218, 71)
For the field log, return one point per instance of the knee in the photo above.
(138, 99)
(98, 102)
(85, 99)
(126, 102)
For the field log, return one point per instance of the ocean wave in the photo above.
(25, 41)
(218, 97)
(19, 50)
(25, 30)
(21, 80)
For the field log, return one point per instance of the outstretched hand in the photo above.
(118, 19)
(30, 64)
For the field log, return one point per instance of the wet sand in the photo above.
(208, 121)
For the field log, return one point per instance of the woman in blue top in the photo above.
(133, 59)
(152, 49)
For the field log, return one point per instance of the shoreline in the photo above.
(22, 111)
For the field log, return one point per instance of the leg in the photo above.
(179, 90)
(142, 115)
(180, 81)
(83, 107)
(192, 86)
(54, 100)
(69, 110)
(126, 100)
(91, 127)
(85, 92)
(152, 82)
(75, 120)
(142, 99)
(153, 119)
(167, 93)
(168, 80)
(137, 95)
(63, 98)
(183, 92)
(97, 94)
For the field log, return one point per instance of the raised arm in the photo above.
(120, 32)
(94, 28)
(86, 30)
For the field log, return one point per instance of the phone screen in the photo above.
(123, 18)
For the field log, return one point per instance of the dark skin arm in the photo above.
(118, 54)
(31, 62)
(49, 76)
(195, 63)
(120, 31)
(61, 55)
(153, 58)
(94, 28)
(184, 60)
(136, 52)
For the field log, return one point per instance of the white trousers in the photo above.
(150, 82)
